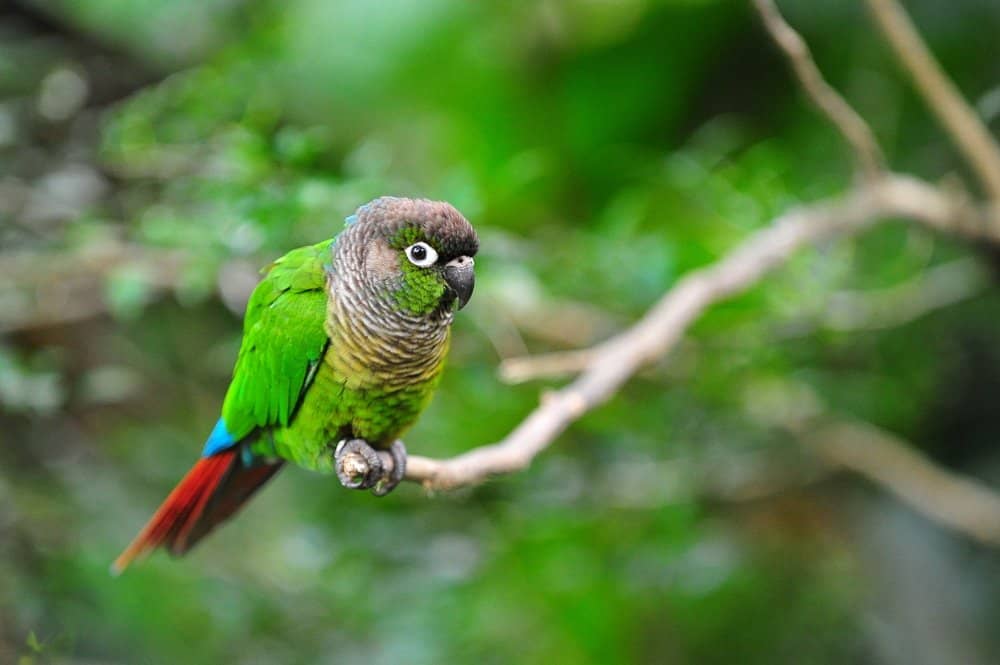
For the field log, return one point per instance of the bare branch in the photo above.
(851, 126)
(613, 362)
(526, 368)
(955, 501)
(605, 367)
(965, 128)
(937, 287)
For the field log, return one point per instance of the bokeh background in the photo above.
(155, 153)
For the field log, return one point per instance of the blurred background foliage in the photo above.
(154, 154)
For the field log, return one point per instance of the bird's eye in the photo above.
(421, 254)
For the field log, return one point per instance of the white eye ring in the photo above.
(421, 254)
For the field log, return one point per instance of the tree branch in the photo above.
(611, 363)
(845, 119)
(964, 127)
(526, 368)
(948, 498)
(605, 367)
(960, 503)
(937, 287)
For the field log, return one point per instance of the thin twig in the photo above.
(964, 127)
(617, 359)
(937, 287)
(851, 126)
(525, 368)
(955, 501)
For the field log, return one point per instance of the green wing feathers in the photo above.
(283, 341)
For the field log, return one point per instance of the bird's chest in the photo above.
(381, 416)
(377, 399)
(348, 404)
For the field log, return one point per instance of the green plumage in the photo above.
(311, 370)
(287, 366)
(283, 341)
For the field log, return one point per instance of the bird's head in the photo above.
(419, 252)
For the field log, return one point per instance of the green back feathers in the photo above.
(283, 341)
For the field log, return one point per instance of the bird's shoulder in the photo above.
(300, 270)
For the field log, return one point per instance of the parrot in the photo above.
(343, 341)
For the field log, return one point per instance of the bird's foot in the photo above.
(359, 466)
(394, 467)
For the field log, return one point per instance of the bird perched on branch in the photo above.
(343, 341)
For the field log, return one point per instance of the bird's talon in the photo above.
(361, 467)
(357, 464)
(389, 481)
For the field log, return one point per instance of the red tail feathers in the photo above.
(212, 490)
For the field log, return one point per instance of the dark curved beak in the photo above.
(461, 278)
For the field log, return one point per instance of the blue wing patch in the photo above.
(220, 439)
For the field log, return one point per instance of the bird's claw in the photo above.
(392, 475)
(359, 466)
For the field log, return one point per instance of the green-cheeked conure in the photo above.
(342, 341)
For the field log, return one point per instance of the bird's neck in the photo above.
(374, 343)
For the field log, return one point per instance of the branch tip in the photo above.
(841, 115)
(965, 128)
